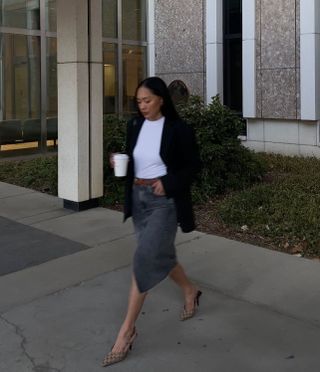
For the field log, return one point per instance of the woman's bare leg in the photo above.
(135, 303)
(179, 276)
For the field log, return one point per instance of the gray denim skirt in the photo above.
(155, 222)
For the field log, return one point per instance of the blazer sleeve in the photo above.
(186, 155)
(128, 135)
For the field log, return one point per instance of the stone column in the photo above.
(249, 58)
(214, 49)
(80, 108)
(180, 43)
(277, 64)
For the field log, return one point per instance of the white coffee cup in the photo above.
(120, 164)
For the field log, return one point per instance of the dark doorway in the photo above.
(232, 54)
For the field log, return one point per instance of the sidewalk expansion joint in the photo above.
(17, 195)
(188, 241)
(67, 213)
(59, 291)
(113, 240)
(83, 282)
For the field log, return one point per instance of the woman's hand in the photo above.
(158, 188)
(111, 159)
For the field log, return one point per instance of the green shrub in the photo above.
(226, 163)
(114, 133)
(39, 174)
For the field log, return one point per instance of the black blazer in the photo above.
(179, 152)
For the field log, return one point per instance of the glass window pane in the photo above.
(234, 71)
(52, 90)
(134, 19)
(20, 13)
(110, 72)
(232, 46)
(110, 81)
(134, 70)
(20, 124)
(51, 15)
(34, 69)
(52, 93)
(109, 20)
(233, 20)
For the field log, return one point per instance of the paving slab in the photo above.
(23, 246)
(27, 205)
(285, 283)
(259, 311)
(91, 227)
(97, 226)
(47, 217)
(72, 330)
(37, 281)
(7, 190)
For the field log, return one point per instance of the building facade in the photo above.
(260, 56)
(285, 116)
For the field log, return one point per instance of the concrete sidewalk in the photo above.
(64, 283)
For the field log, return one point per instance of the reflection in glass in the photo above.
(134, 19)
(233, 20)
(134, 70)
(20, 87)
(20, 14)
(109, 20)
(52, 90)
(51, 15)
(232, 50)
(234, 74)
(110, 87)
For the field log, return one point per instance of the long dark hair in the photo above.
(159, 88)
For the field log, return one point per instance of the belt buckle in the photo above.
(138, 181)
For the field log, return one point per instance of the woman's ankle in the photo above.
(190, 290)
(127, 329)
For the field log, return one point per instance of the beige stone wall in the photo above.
(180, 43)
(277, 53)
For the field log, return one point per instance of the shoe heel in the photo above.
(198, 296)
(133, 337)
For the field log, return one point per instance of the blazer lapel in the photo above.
(166, 140)
(137, 125)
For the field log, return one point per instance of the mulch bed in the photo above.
(208, 222)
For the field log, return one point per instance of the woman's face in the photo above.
(149, 104)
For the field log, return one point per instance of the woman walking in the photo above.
(164, 160)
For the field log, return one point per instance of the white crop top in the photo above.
(146, 154)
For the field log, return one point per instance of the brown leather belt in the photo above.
(144, 181)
